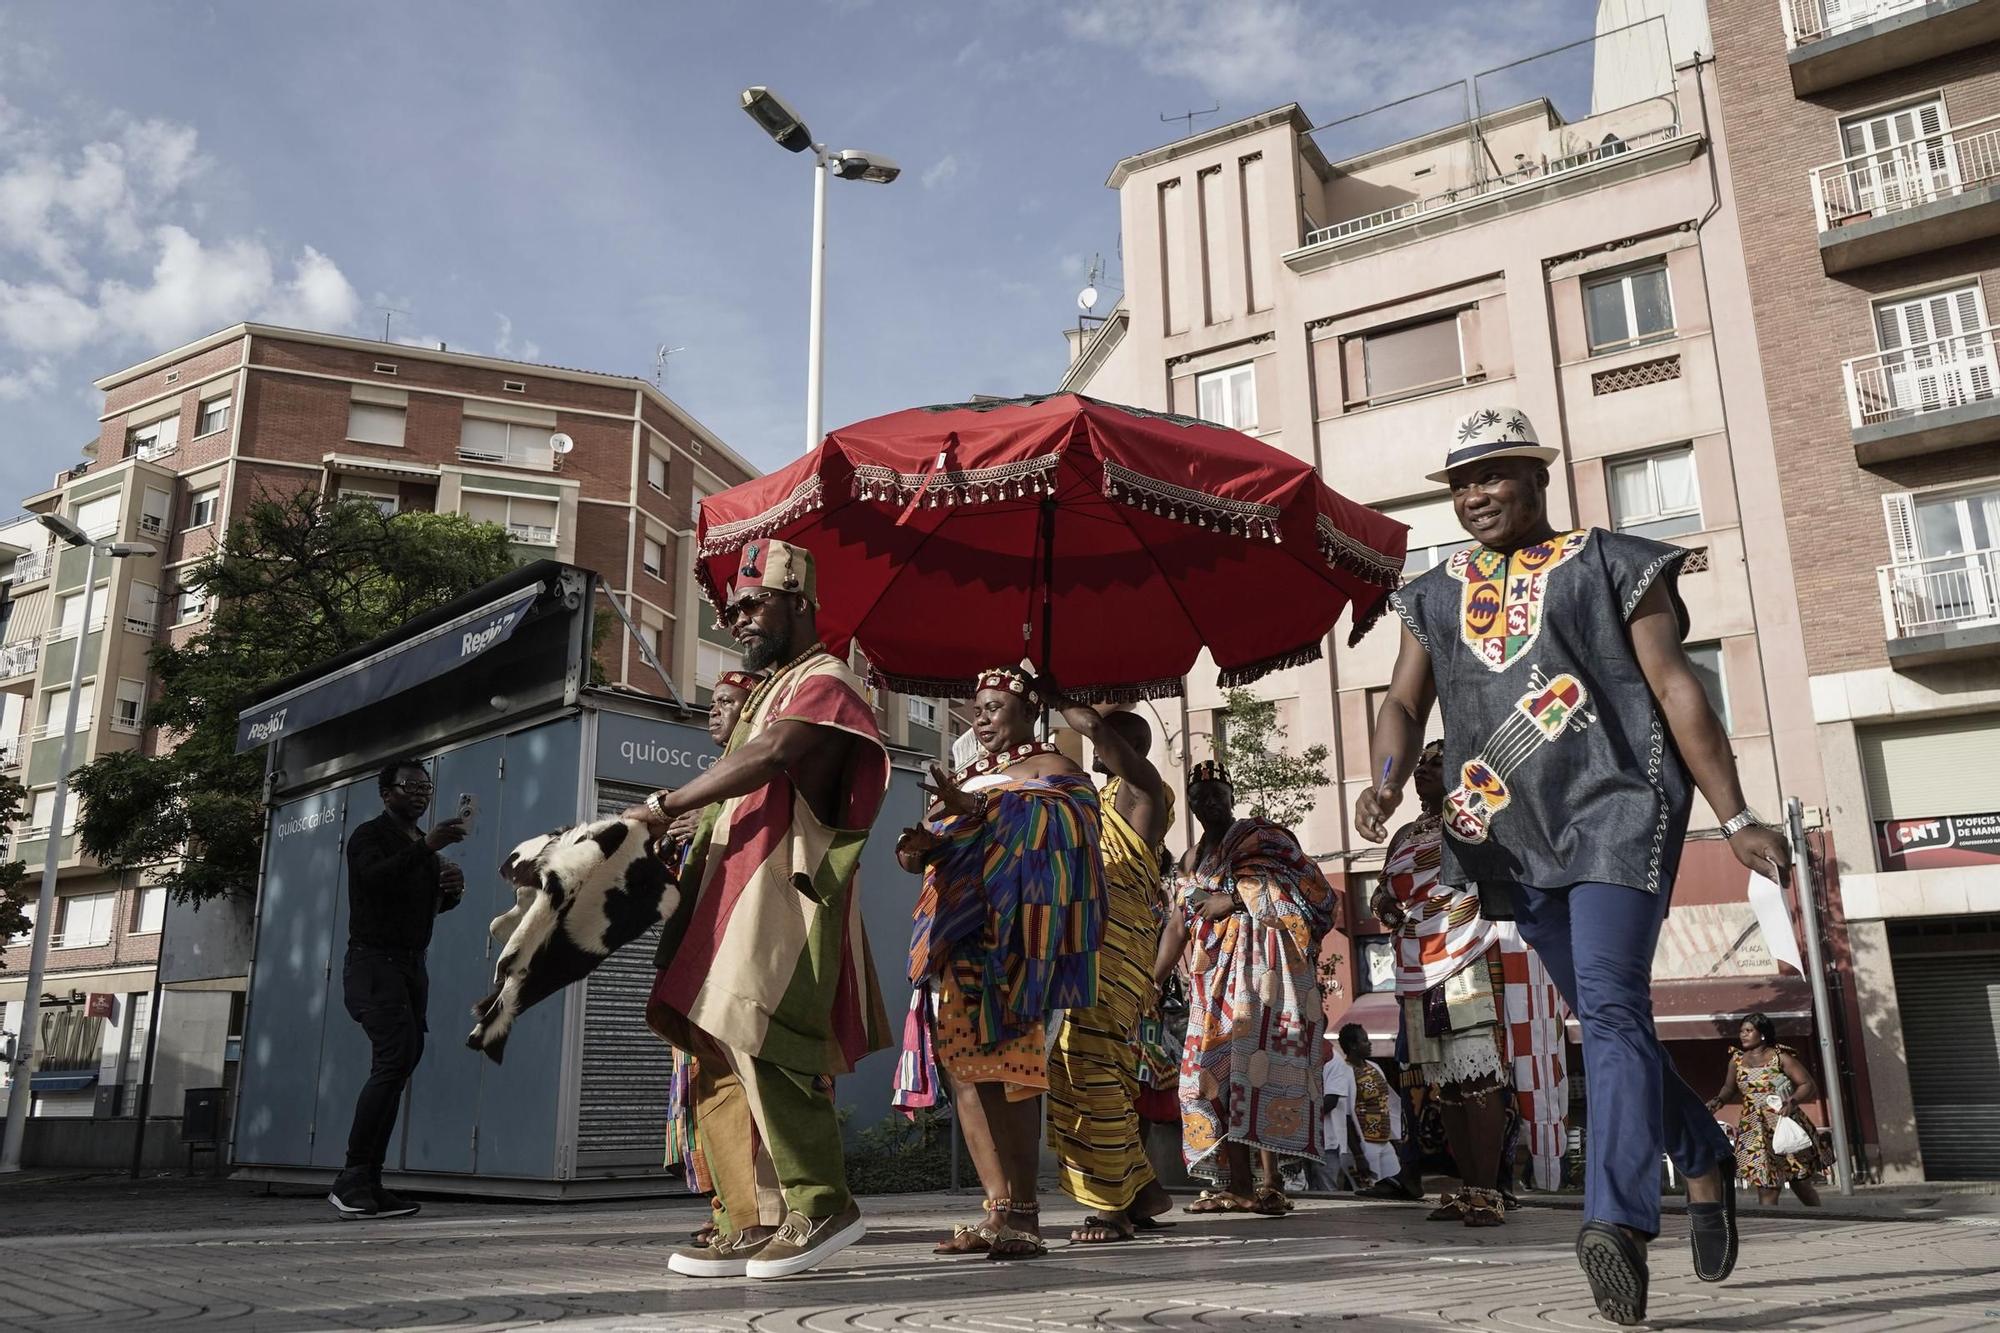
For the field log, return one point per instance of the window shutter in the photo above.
(1354, 369)
(1889, 327)
(1943, 766)
(1899, 514)
(1969, 308)
(1468, 340)
(1930, 119)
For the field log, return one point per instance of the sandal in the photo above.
(1271, 1203)
(1451, 1208)
(1152, 1224)
(976, 1239)
(1111, 1230)
(1219, 1201)
(1011, 1243)
(1483, 1209)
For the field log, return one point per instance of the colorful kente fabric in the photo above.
(1013, 904)
(1250, 1072)
(1093, 1118)
(1371, 1101)
(1756, 1164)
(682, 1148)
(769, 956)
(1502, 603)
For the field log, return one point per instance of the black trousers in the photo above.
(386, 991)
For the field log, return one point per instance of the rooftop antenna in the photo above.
(660, 355)
(389, 312)
(1188, 116)
(1086, 300)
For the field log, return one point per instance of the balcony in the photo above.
(1613, 158)
(32, 566)
(20, 658)
(1924, 399)
(141, 625)
(12, 752)
(1942, 609)
(130, 726)
(1835, 42)
(1926, 194)
(69, 631)
(531, 534)
(152, 525)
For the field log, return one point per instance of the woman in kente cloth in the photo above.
(1772, 1081)
(1006, 930)
(1451, 980)
(1253, 909)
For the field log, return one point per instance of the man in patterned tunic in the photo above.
(1573, 725)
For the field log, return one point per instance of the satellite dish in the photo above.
(561, 443)
(1086, 300)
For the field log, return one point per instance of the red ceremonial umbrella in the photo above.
(1107, 544)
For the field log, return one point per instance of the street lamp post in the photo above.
(20, 1094)
(789, 132)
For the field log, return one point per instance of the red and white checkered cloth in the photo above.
(1536, 1044)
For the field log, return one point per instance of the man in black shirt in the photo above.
(396, 885)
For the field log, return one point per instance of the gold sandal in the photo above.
(1484, 1209)
(1011, 1243)
(1451, 1208)
(969, 1240)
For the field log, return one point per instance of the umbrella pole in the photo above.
(1048, 596)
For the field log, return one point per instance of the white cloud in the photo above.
(944, 169)
(504, 344)
(45, 317)
(317, 296)
(39, 378)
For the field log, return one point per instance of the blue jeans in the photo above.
(1597, 942)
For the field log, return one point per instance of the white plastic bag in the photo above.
(1788, 1137)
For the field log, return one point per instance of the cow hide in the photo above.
(579, 894)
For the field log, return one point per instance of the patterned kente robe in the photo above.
(1251, 1070)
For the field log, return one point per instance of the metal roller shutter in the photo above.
(1944, 766)
(1951, 1015)
(622, 1105)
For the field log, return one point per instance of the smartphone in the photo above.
(468, 806)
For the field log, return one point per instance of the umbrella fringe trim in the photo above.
(1364, 623)
(1343, 551)
(934, 687)
(805, 497)
(1245, 518)
(1237, 677)
(981, 485)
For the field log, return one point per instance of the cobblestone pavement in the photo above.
(233, 1258)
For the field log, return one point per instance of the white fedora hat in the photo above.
(1501, 431)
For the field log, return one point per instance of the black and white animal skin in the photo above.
(579, 894)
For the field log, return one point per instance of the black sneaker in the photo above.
(393, 1205)
(353, 1197)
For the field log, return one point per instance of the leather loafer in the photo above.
(1712, 1233)
(1615, 1264)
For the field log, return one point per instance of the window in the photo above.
(1655, 496)
(1414, 359)
(201, 507)
(214, 415)
(650, 636)
(1944, 549)
(55, 708)
(142, 608)
(155, 512)
(1936, 353)
(651, 556)
(69, 616)
(150, 912)
(1434, 532)
(710, 661)
(1375, 969)
(99, 516)
(656, 473)
(191, 604)
(529, 520)
(1706, 658)
(129, 705)
(375, 423)
(83, 920)
(1906, 158)
(41, 813)
(924, 712)
(155, 439)
(384, 502)
(1628, 309)
(514, 386)
(486, 441)
(1228, 397)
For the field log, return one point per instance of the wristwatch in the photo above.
(1741, 822)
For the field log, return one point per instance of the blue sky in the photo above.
(574, 182)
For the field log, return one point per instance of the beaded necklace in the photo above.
(994, 763)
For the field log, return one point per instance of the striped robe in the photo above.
(768, 955)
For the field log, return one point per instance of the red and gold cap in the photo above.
(1010, 680)
(1209, 770)
(777, 566)
(746, 681)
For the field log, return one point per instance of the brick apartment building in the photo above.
(1587, 268)
(186, 441)
(1865, 141)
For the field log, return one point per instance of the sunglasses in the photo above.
(746, 606)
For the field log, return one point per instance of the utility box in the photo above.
(201, 1116)
(579, 1107)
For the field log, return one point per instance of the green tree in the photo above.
(298, 579)
(1279, 786)
(16, 889)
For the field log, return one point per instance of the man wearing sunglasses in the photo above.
(396, 885)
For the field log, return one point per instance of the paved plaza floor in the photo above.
(101, 1255)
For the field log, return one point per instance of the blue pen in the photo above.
(1387, 764)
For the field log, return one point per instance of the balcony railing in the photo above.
(141, 624)
(10, 755)
(531, 534)
(53, 729)
(534, 456)
(1814, 20)
(20, 658)
(131, 726)
(1945, 593)
(1535, 173)
(68, 631)
(75, 939)
(1929, 377)
(1922, 171)
(34, 565)
(153, 525)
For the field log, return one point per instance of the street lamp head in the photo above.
(778, 120)
(851, 164)
(63, 528)
(125, 549)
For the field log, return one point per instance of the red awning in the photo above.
(1713, 1006)
(1376, 1013)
